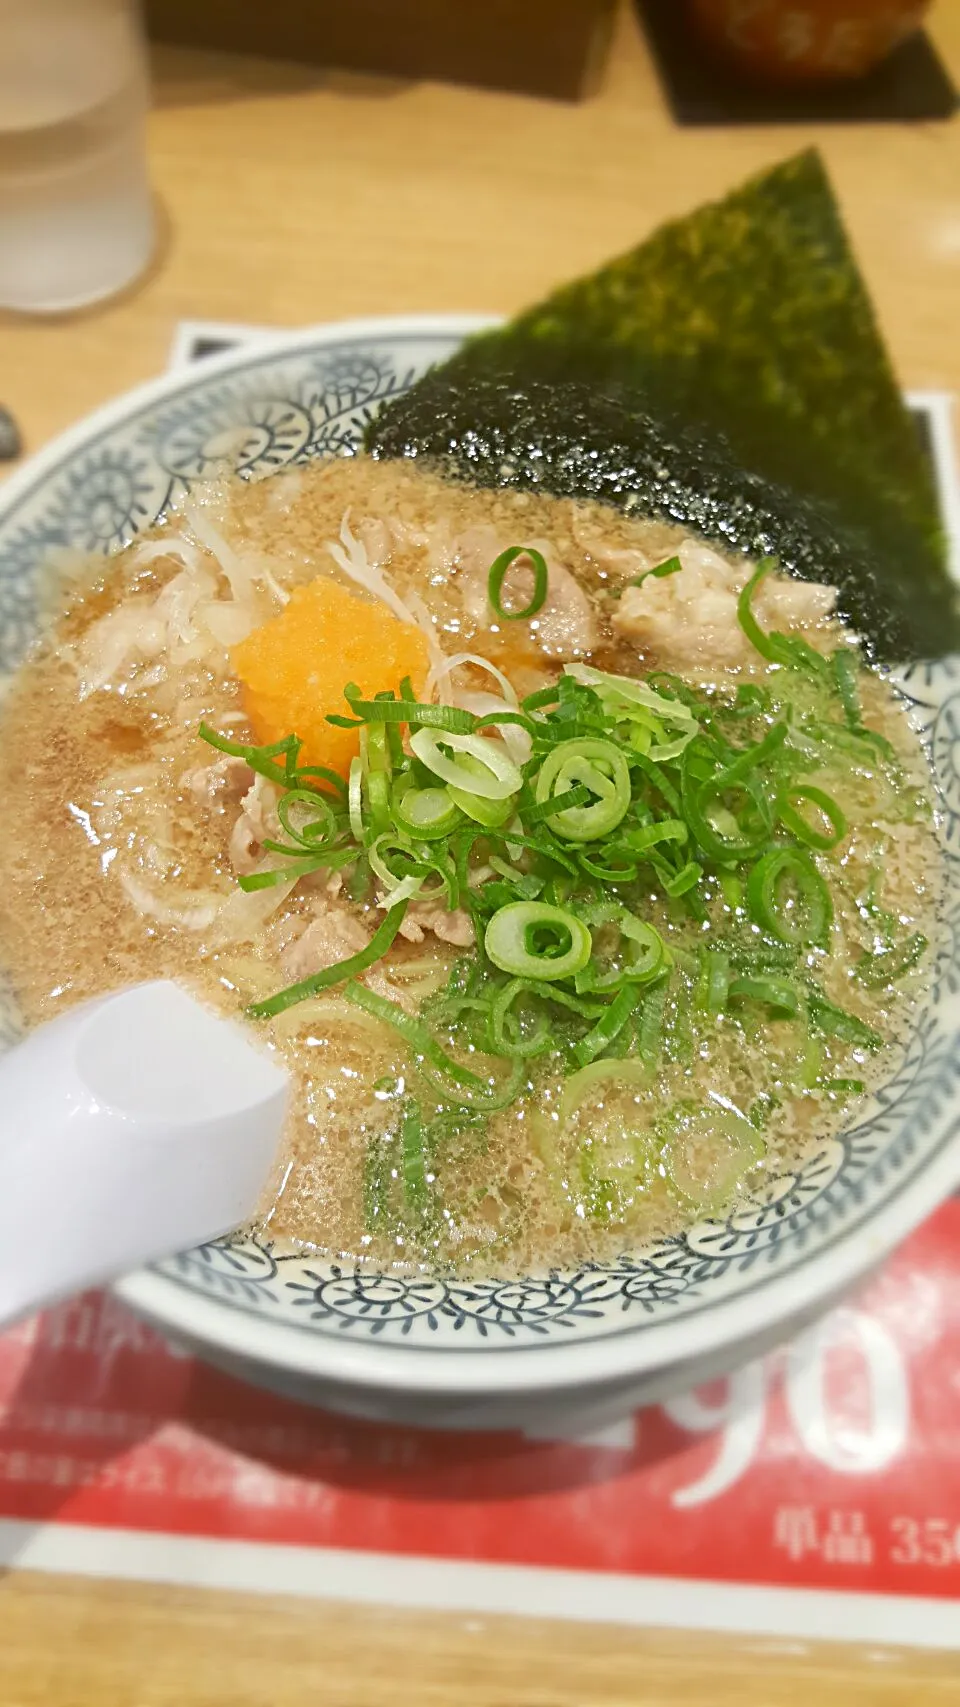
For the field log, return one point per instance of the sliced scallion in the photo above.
(710, 1151)
(788, 897)
(427, 813)
(376, 948)
(415, 1185)
(608, 1026)
(594, 764)
(494, 777)
(778, 994)
(530, 939)
(836, 1022)
(671, 566)
(799, 824)
(887, 965)
(506, 1027)
(497, 576)
(615, 1074)
(372, 712)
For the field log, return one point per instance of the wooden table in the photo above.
(289, 196)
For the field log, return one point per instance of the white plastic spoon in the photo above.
(131, 1127)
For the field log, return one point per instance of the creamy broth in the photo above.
(125, 834)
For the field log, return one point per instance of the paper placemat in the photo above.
(815, 1493)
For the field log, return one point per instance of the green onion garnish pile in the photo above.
(719, 814)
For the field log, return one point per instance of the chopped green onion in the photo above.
(540, 844)
(845, 676)
(621, 871)
(751, 757)
(426, 813)
(415, 1033)
(750, 698)
(645, 950)
(650, 1033)
(377, 789)
(355, 800)
(323, 774)
(836, 1022)
(626, 690)
(682, 881)
(810, 1065)
(713, 986)
(579, 796)
(586, 1006)
(496, 779)
(672, 566)
(779, 994)
(251, 881)
(887, 965)
(355, 963)
(788, 650)
(449, 718)
(799, 825)
(731, 888)
(596, 765)
(709, 1154)
(654, 835)
(490, 813)
(399, 885)
(748, 622)
(359, 880)
(788, 897)
(260, 759)
(841, 1088)
(317, 820)
(415, 1184)
(614, 1073)
(720, 834)
(497, 575)
(542, 697)
(608, 1027)
(530, 939)
(528, 886)
(506, 1029)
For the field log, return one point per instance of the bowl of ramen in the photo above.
(587, 880)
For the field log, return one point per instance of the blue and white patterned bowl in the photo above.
(468, 1351)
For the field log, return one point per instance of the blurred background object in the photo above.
(760, 62)
(9, 436)
(792, 41)
(76, 222)
(540, 47)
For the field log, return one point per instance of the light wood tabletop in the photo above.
(290, 196)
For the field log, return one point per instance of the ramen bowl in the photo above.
(461, 1351)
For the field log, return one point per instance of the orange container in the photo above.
(805, 41)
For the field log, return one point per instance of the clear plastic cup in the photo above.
(76, 217)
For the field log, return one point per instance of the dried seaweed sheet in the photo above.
(743, 341)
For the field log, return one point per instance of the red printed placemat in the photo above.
(816, 1492)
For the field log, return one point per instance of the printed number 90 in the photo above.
(843, 1446)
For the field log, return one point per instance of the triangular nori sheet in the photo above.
(747, 388)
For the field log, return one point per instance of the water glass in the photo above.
(76, 218)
